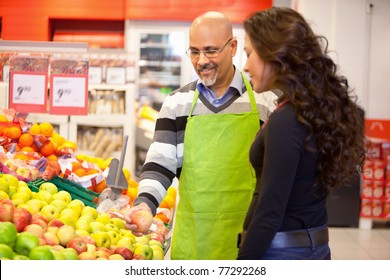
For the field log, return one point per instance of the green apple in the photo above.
(3, 195)
(63, 195)
(143, 250)
(77, 205)
(59, 203)
(143, 239)
(115, 237)
(103, 218)
(158, 252)
(41, 253)
(50, 212)
(81, 232)
(90, 211)
(102, 239)
(126, 242)
(8, 233)
(49, 186)
(155, 242)
(83, 224)
(58, 255)
(12, 180)
(45, 196)
(25, 241)
(70, 254)
(6, 252)
(4, 185)
(65, 234)
(35, 204)
(20, 257)
(119, 223)
(96, 226)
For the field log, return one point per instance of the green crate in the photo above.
(77, 192)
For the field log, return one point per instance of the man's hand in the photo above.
(129, 224)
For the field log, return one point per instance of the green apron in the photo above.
(216, 183)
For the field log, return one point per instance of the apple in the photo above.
(96, 226)
(158, 252)
(91, 248)
(63, 195)
(87, 256)
(89, 211)
(81, 232)
(22, 218)
(12, 180)
(3, 195)
(35, 204)
(126, 242)
(117, 222)
(87, 218)
(11, 165)
(52, 229)
(20, 257)
(143, 250)
(126, 232)
(78, 244)
(27, 207)
(50, 212)
(142, 219)
(114, 236)
(77, 205)
(25, 241)
(55, 223)
(39, 216)
(39, 222)
(103, 252)
(41, 253)
(8, 233)
(70, 254)
(111, 227)
(65, 234)
(89, 240)
(7, 209)
(35, 229)
(126, 253)
(58, 255)
(44, 195)
(83, 224)
(59, 203)
(6, 252)
(24, 172)
(103, 217)
(143, 239)
(12, 190)
(116, 257)
(49, 186)
(4, 185)
(102, 239)
(51, 238)
(20, 183)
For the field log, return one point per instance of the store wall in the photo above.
(359, 37)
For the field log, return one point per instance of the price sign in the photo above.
(28, 92)
(116, 75)
(69, 94)
(95, 75)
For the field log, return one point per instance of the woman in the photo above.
(312, 143)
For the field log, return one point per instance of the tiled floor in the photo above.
(361, 244)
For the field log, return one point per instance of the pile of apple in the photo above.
(48, 224)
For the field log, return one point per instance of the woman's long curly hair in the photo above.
(322, 99)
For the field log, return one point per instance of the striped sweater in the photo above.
(165, 156)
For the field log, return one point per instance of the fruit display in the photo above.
(49, 225)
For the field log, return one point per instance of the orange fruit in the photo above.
(46, 129)
(21, 156)
(101, 186)
(172, 191)
(162, 217)
(57, 139)
(168, 202)
(34, 129)
(76, 165)
(28, 149)
(80, 172)
(13, 132)
(47, 149)
(51, 157)
(26, 139)
(132, 192)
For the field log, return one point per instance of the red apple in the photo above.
(22, 218)
(87, 256)
(51, 238)
(7, 209)
(88, 240)
(103, 252)
(142, 219)
(78, 244)
(39, 222)
(55, 223)
(40, 216)
(37, 230)
(126, 253)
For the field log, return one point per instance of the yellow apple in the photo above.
(102, 239)
(65, 234)
(49, 186)
(96, 226)
(119, 223)
(12, 180)
(35, 204)
(23, 196)
(22, 184)
(4, 185)
(158, 252)
(114, 236)
(63, 195)
(24, 189)
(59, 203)
(44, 195)
(116, 257)
(126, 242)
(82, 224)
(77, 205)
(50, 212)
(3, 195)
(104, 218)
(89, 211)
(81, 232)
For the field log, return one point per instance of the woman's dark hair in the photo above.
(323, 101)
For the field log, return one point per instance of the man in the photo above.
(202, 137)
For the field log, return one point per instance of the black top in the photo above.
(286, 172)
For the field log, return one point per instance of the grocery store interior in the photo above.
(132, 53)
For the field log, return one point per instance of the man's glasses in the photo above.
(208, 53)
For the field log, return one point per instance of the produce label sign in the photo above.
(69, 94)
(28, 92)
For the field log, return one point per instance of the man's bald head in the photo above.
(213, 20)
